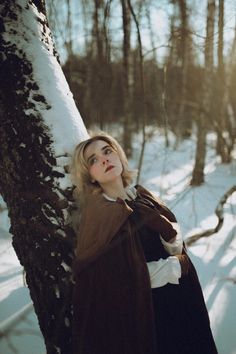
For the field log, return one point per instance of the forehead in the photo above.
(94, 147)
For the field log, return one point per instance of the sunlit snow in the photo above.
(214, 257)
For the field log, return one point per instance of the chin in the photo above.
(112, 179)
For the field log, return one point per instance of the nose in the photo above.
(104, 160)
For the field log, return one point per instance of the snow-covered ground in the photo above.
(166, 172)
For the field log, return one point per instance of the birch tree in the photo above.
(39, 127)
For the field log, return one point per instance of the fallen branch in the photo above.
(219, 213)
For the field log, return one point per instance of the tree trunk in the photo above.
(69, 42)
(225, 122)
(148, 5)
(127, 129)
(39, 128)
(221, 88)
(231, 106)
(183, 124)
(99, 61)
(100, 75)
(198, 172)
(142, 84)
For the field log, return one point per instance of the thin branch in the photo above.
(220, 215)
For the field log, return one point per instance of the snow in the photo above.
(167, 173)
(66, 127)
(18, 323)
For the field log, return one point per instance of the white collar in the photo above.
(130, 191)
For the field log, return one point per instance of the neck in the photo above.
(115, 189)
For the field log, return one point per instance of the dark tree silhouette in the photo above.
(33, 175)
(198, 171)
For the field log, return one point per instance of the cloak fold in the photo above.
(115, 311)
(112, 299)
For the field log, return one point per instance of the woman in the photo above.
(136, 290)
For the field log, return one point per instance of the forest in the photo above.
(160, 76)
(180, 78)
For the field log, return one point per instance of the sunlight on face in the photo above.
(103, 161)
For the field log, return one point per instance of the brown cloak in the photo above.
(112, 301)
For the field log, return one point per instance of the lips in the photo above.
(109, 168)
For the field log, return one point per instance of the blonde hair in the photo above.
(79, 166)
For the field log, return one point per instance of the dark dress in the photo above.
(181, 318)
(114, 309)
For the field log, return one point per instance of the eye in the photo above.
(108, 151)
(92, 161)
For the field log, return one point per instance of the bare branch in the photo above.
(220, 215)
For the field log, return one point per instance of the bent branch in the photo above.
(219, 213)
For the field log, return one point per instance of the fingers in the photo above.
(159, 223)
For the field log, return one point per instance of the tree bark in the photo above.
(148, 9)
(39, 127)
(100, 77)
(225, 120)
(221, 88)
(182, 123)
(231, 106)
(127, 80)
(198, 171)
(143, 93)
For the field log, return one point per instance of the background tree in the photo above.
(127, 77)
(185, 53)
(221, 86)
(231, 98)
(179, 71)
(106, 82)
(99, 69)
(39, 128)
(198, 172)
(224, 121)
(105, 77)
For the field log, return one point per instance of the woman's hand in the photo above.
(154, 220)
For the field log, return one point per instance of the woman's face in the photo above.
(103, 161)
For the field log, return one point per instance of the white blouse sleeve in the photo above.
(167, 270)
(175, 247)
(164, 271)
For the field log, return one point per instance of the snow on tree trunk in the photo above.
(39, 127)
